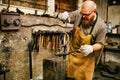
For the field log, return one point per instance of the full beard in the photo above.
(86, 23)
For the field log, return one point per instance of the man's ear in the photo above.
(95, 11)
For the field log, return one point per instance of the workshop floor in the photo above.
(98, 76)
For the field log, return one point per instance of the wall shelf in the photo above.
(113, 49)
(109, 47)
(113, 35)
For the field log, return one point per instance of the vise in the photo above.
(10, 21)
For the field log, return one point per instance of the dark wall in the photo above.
(101, 8)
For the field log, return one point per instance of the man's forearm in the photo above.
(97, 47)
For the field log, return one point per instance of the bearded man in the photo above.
(88, 36)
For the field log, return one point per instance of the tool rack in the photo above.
(51, 40)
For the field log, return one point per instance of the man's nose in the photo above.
(84, 17)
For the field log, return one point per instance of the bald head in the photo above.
(88, 5)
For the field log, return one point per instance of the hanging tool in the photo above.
(63, 42)
(19, 11)
(35, 43)
(30, 47)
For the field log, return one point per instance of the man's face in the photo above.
(87, 18)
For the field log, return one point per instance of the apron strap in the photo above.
(80, 22)
(93, 24)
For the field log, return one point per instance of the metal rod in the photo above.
(30, 60)
(30, 46)
(107, 11)
(8, 5)
(4, 75)
(59, 6)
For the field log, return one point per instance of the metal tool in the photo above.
(30, 47)
(64, 54)
(101, 52)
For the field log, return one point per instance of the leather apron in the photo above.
(80, 67)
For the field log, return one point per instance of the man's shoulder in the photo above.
(101, 22)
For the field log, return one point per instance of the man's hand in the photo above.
(86, 49)
(64, 16)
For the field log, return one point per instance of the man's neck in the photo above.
(95, 17)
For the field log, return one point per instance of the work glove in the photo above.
(86, 49)
(64, 16)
